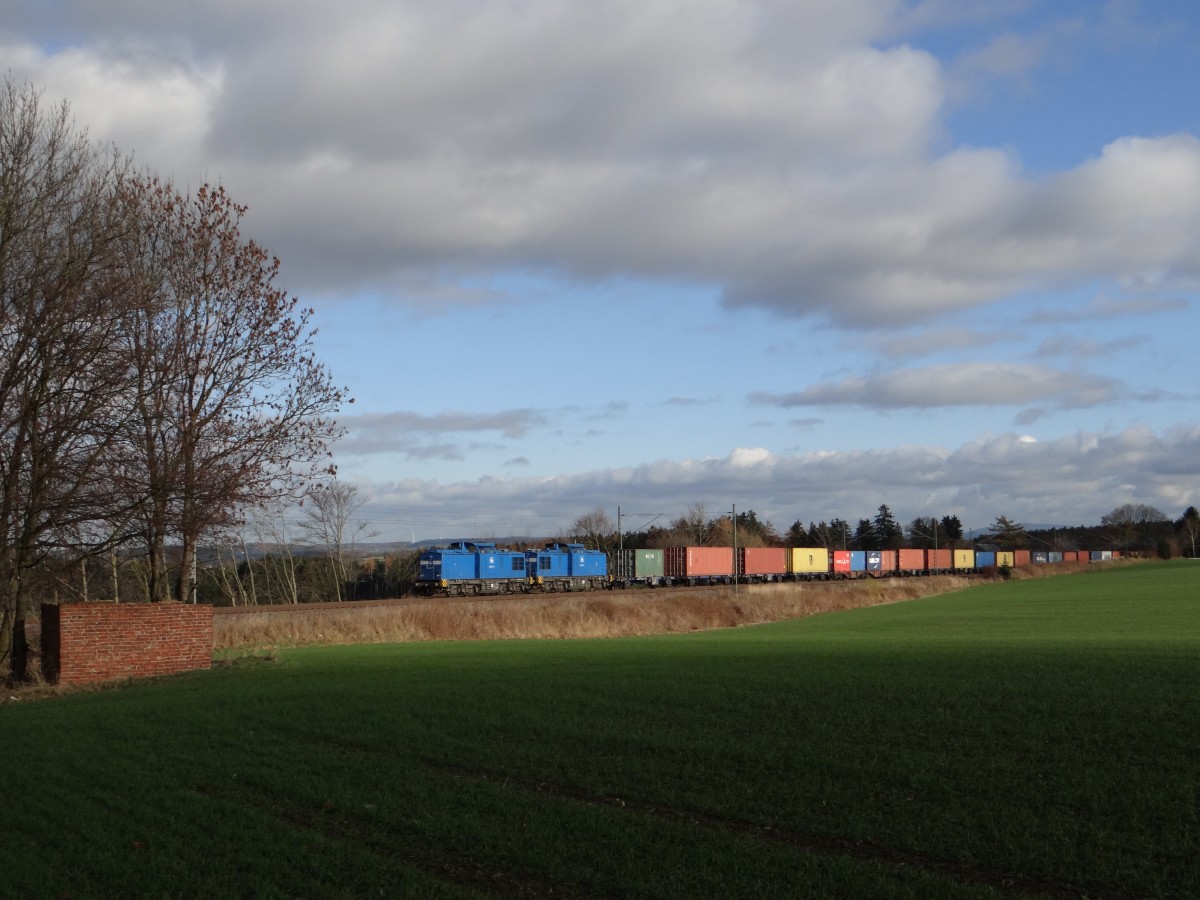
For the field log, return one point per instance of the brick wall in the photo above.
(87, 642)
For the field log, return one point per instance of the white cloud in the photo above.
(960, 384)
(153, 101)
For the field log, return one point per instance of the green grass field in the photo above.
(1033, 738)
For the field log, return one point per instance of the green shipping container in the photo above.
(630, 565)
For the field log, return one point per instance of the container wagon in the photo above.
(762, 563)
(910, 562)
(809, 563)
(881, 563)
(699, 565)
(630, 567)
(858, 563)
(939, 562)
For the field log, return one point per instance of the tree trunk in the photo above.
(187, 561)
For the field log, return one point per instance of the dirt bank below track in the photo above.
(583, 615)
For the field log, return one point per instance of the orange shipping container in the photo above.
(937, 559)
(1021, 558)
(762, 561)
(912, 560)
(693, 562)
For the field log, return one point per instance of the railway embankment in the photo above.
(579, 615)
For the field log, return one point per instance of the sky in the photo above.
(804, 258)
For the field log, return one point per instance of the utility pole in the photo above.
(733, 516)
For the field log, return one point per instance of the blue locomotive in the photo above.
(471, 568)
(567, 567)
(467, 567)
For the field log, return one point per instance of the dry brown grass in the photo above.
(591, 615)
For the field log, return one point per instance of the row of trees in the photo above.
(155, 381)
(1131, 528)
(695, 528)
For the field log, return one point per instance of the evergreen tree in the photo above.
(952, 528)
(864, 536)
(1007, 533)
(887, 531)
(797, 535)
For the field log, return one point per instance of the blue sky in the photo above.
(805, 258)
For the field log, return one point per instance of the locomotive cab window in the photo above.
(544, 563)
(518, 563)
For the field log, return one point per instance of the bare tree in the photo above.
(279, 563)
(227, 577)
(1188, 527)
(60, 287)
(328, 524)
(595, 529)
(231, 406)
(691, 529)
(1128, 522)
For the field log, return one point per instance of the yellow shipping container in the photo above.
(964, 559)
(1006, 558)
(808, 561)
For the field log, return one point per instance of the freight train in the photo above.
(467, 568)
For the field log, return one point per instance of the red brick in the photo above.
(108, 641)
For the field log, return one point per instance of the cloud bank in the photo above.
(1071, 480)
(794, 159)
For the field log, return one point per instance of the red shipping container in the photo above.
(938, 559)
(762, 561)
(1021, 558)
(693, 562)
(841, 562)
(911, 560)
